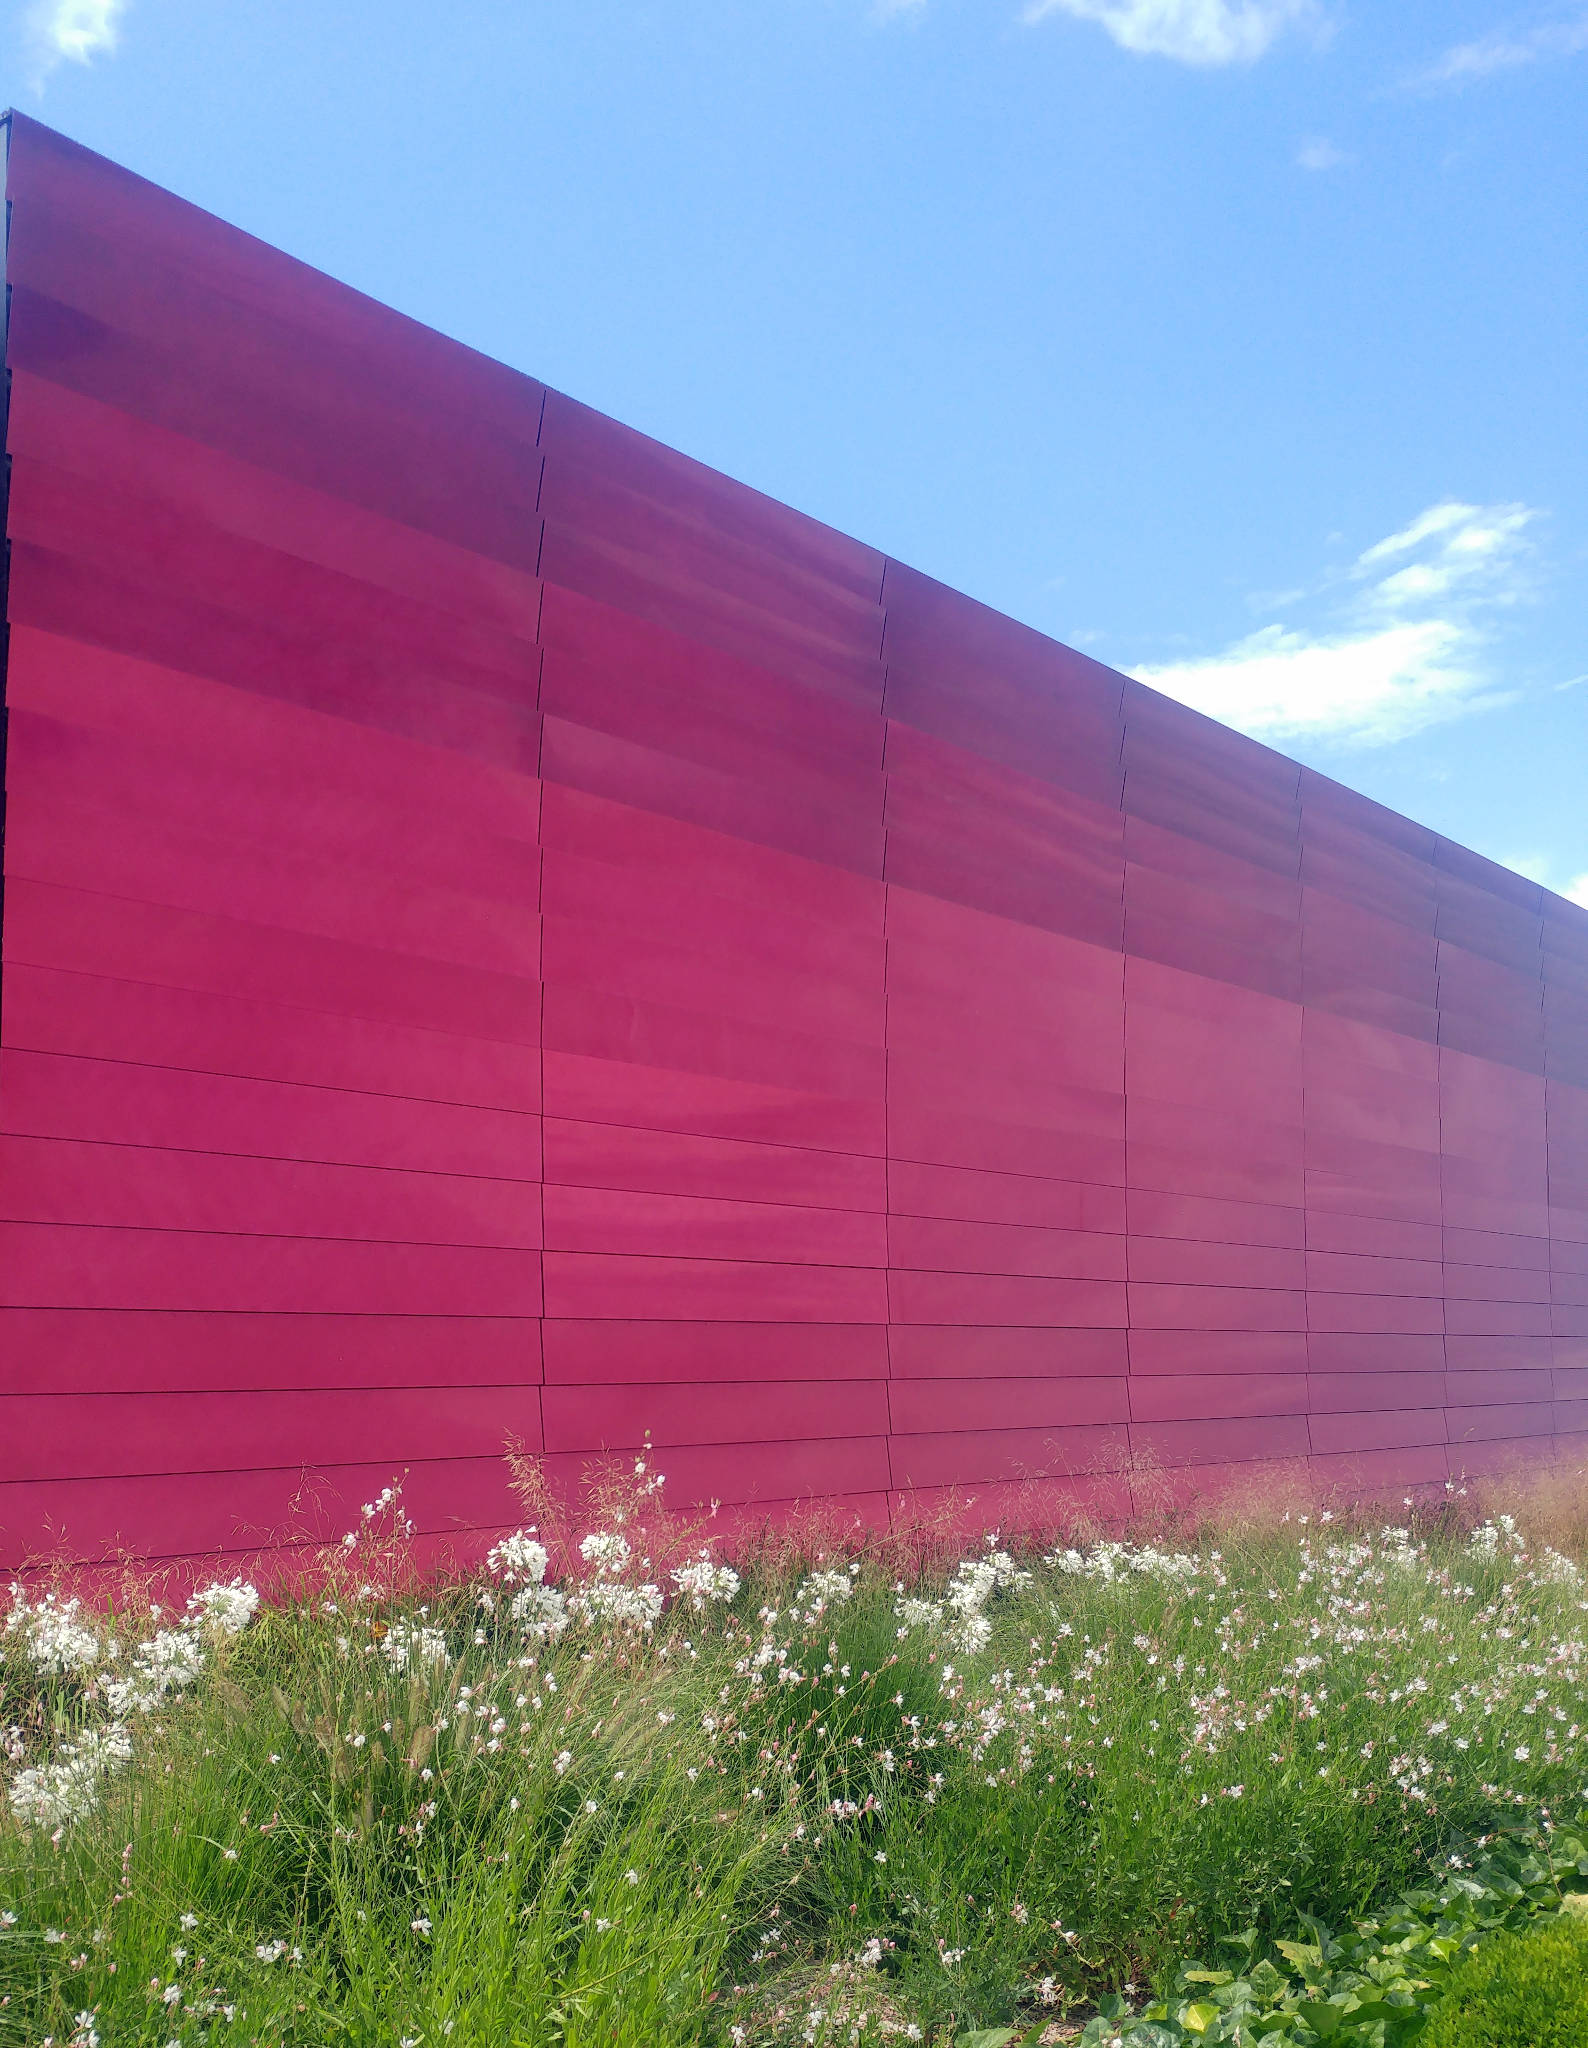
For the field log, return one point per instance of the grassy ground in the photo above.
(846, 1798)
(1521, 1988)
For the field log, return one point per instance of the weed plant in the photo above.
(620, 1790)
(1521, 1988)
(1390, 1981)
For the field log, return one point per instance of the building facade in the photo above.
(511, 936)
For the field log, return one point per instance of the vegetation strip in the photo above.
(614, 1788)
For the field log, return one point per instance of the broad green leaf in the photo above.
(1198, 2018)
(1301, 1955)
(1327, 1945)
(986, 2037)
(1323, 2019)
(1208, 1976)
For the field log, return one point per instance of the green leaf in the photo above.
(1198, 2018)
(1327, 1945)
(1207, 1976)
(986, 2037)
(1575, 1903)
(1301, 1955)
(1323, 2019)
(1266, 1981)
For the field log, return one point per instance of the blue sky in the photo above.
(1243, 343)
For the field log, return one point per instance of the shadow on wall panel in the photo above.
(56, 1180)
(146, 1023)
(82, 436)
(177, 629)
(162, 709)
(166, 1353)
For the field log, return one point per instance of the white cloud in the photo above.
(1318, 153)
(1474, 544)
(1542, 868)
(1404, 651)
(1192, 31)
(1507, 51)
(1537, 867)
(1370, 688)
(71, 31)
(1437, 519)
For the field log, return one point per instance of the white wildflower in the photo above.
(540, 1611)
(1114, 1563)
(54, 1638)
(518, 1560)
(607, 1550)
(607, 1600)
(168, 1662)
(410, 1646)
(226, 1609)
(825, 1589)
(67, 1788)
(1500, 1533)
(703, 1583)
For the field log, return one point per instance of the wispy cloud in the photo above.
(1318, 153)
(1405, 646)
(1538, 866)
(1449, 546)
(1508, 50)
(1206, 32)
(70, 32)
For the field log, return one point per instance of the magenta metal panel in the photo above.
(509, 935)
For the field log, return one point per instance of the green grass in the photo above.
(788, 1805)
(1519, 1991)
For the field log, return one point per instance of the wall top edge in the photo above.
(38, 154)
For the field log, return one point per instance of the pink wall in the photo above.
(509, 933)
